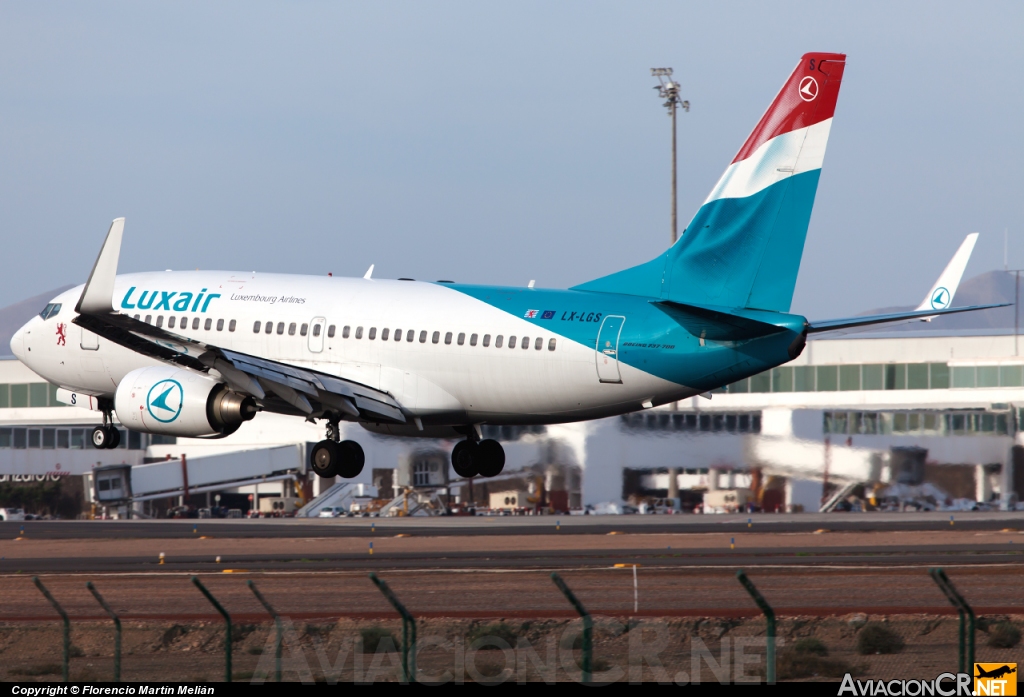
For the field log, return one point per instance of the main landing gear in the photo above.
(484, 459)
(106, 437)
(330, 457)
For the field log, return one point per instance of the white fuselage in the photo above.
(338, 326)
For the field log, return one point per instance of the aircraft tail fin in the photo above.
(743, 247)
(941, 294)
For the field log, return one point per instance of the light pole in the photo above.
(668, 90)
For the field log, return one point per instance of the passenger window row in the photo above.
(268, 328)
(409, 335)
(182, 324)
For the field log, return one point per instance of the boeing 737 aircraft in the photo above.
(197, 354)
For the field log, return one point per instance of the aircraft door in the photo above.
(89, 341)
(608, 348)
(316, 334)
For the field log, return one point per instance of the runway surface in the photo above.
(501, 566)
(510, 543)
(514, 525)
(522, 560)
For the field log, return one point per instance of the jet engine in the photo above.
(179, 402)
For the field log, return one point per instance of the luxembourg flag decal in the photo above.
(531, 314)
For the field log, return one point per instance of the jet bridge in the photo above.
(122, 485)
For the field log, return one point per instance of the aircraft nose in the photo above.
(18, 344)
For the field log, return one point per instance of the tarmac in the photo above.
(511, 542)
(517, 525)
(501, 566)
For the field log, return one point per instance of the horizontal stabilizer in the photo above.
(719, 324)
(830, 325)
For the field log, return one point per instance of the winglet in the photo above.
(941, 295)
(97, 298)
(369, 272)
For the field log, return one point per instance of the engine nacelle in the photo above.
(178, 402)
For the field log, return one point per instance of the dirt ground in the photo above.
(530, 594)
(676, 624)
(652, 649)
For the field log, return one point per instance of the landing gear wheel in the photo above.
(464, 459)
(325, 458)
(352, 459)
(490, 457)
(105, 438)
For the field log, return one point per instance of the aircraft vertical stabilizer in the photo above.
(743, 247)
(941, 294)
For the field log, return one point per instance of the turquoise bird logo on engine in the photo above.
(164, 400)
(940, 298)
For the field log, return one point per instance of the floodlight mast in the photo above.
(668, 89)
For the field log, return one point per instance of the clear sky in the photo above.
(492, 142)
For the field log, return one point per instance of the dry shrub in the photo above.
(876, 638)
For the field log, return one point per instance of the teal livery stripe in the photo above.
(653, 339)
(742, 252)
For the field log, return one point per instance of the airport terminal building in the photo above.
(846, 412)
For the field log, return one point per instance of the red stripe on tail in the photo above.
(808, 97)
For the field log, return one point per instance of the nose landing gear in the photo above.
(331, 458)
(106, 437)
(471, 459)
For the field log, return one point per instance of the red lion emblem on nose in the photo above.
(61, 339)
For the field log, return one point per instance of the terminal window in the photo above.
(69, 438)
(716, 422)
(33, 394)
(875, 376)
(921, 423)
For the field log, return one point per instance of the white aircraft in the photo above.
(197, 354)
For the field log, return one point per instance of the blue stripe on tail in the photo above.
(740, 252)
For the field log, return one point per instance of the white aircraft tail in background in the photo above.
(941, 294)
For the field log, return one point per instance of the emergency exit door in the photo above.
(608, 348)
(316, 334)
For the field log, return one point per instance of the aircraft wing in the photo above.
(279, 387)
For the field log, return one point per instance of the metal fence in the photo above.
(726, 647)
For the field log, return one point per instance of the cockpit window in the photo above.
(50, 310)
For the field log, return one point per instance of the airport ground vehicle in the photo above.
(12, 514)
